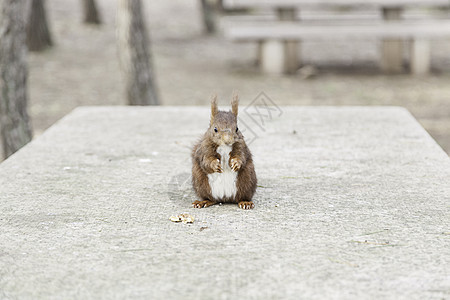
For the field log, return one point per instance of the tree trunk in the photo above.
(14, 121)
(209, 15)
(91, 15)
(38, 33)
(134, 54)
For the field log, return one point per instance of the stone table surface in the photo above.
(352, 202)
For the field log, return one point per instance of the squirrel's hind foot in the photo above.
(203, 204)
(246, 204)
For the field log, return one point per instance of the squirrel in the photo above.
(222, 164)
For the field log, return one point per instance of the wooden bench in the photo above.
(244, 4)
(279, 40)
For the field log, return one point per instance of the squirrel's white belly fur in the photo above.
(223, 185)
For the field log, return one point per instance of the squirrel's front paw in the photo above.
(216, 166)
(235, 164)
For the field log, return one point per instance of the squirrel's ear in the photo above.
(235, 103)
(214, 108)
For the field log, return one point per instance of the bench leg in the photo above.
(392, 56)
(278, 57)
(272, 57)
(392, 49)
(259, 53)
(420, 57)
(291, 61)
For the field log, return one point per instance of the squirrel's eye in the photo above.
(237, 129)
(215, 129)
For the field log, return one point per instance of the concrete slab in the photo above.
(353, 202)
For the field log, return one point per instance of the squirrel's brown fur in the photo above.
(223, 132)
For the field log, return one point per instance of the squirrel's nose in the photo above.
(228, 138)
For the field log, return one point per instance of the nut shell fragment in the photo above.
(185, 218)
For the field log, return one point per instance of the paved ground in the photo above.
(351, 203)
(82, 69)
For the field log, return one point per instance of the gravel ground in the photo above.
(82, 69)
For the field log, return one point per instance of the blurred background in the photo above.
(82, 67)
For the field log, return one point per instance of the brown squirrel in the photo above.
(222, 165)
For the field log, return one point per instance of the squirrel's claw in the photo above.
(235, 164)
(203, 204)
(216, 166)
(246, 204)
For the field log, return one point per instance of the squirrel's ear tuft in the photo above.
(214, 108)
(235, 103)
